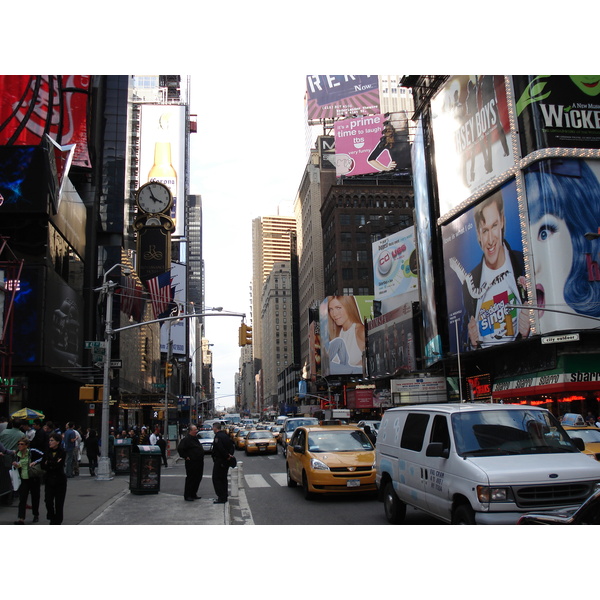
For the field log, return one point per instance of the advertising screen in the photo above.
(391, 342)
(395, 264)
(32, 105)
(561, 111)
(336, 96)
(472, 136)
(563, 200)
(432, 350)
(162, 154)
(343, 333)
(485, 274)
(372, 144)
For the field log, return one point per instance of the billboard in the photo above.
(162, 154)
(563, 201)
(485, 274)
(372, 144)
(391, 342)
(395, 265)
(472, 136)
(561, 111)
(432, 349)
(343, 333)
(57, 105)
(175, 330)
(336, 96)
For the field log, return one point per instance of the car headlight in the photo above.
(318, 465)
(486, 494)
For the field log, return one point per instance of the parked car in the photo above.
(290, 424)
(261, 442)
(206, 439)
(479, 463)
(326, 459)
(587, 514)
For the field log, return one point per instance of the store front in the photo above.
(572, 387)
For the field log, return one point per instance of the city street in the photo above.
(258, 496)
(264, 489)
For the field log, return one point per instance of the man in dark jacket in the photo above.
(190, 449)
(223, 450)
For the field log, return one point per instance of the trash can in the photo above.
(144, 477)
(123, 456)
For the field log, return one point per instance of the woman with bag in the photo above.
(27, 462)
(53, 464)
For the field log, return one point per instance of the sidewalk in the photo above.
(92, 502)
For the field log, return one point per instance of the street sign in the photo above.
(116, 364)
(89, 345)
(557, 339)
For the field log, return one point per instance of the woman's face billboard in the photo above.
(563, 200)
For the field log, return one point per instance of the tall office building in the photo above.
(270, 245)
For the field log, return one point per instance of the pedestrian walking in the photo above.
(53, 464)
(78, 451)
(69, 443)
(222, 453)
(25, 458)
(92, 449)
(190, 449)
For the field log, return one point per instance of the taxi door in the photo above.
(294, 458)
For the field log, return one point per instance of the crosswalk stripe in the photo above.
(255, 481)
(280, 478)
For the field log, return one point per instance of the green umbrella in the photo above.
(27, 413)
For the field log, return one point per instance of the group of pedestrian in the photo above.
(40, 459)
(143, 438)
(190, 449)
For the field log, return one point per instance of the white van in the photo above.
(479, 463)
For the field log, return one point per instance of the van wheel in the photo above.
(395, 509)
(307, 494)
(290, 481)
(463, 515)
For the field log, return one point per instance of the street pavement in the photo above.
(93, 502)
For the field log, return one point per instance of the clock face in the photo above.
(154, 197)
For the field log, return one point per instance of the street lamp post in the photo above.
(104, 466)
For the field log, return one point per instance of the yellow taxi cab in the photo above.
(261, 442)
(276, 430)
(575, 426)
(330, 459)
(240, 438)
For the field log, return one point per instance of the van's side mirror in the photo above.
(579, 443)
(437, 450)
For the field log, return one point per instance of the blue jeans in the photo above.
(69, 463)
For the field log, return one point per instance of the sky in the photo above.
(244, 165)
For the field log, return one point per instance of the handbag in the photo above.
(15, 478)
(35, 471)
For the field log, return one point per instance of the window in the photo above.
(364, 291)
(414, 431)
(362, 256)
(346, 274)
(439, 431)
(360, 219)
(344, 219)
(347, 255)
(348, 291)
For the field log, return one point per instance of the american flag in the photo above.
(161, 294)
(132, 302)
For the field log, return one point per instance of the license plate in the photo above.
(353, 483)
(262, 448)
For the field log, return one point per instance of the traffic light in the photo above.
(245, 335)
(168, 370)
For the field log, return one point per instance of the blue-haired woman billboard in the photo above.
(343, 333)
(563, 199)
(485, 274)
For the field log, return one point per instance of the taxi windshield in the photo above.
(503, 432)
(338, 441)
